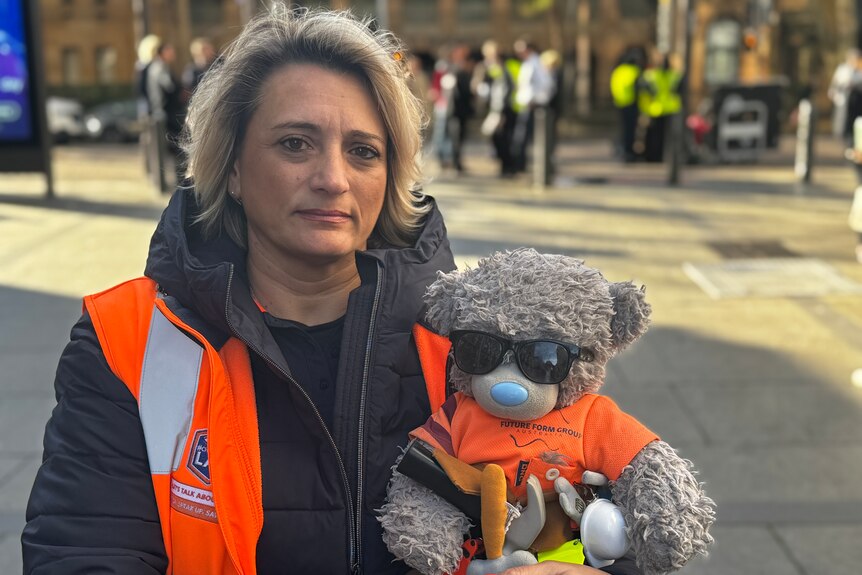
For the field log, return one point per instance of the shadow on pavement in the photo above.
(752, 419)
(34, 328)
(465, 247)
(142, 212)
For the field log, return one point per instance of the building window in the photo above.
(67, 9)
(633, 9)
(106, 65)
(364, 8)
(474, 11)
(723, 38)
(474, 18)
(207, 12)
(71, 67)
(101, 9)
(422, 19)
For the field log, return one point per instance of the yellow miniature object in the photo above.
(568, 552)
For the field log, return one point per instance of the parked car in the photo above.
(65, 118)
(114, 121)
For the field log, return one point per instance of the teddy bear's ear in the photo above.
(631, 314)
(440, 301)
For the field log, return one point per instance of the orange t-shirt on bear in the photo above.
(592, 434)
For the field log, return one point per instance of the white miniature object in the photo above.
(603, 533)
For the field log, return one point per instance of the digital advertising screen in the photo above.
(16, 119)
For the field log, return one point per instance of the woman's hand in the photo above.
(554, 568)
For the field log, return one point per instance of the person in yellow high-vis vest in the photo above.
(659, 98)
(237, 409)
(624, 91)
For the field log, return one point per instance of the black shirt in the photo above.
(312, 354)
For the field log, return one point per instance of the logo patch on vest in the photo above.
(199, 461)
(522, 468)
(193, 501)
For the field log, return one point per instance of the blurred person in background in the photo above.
(442, 85)
(658, 99)
(420, 86)
(164, 95)
(533, 88)
(203, 56)
(552, 62)
(146, 51)
(239, 407)
(625, 79)
(460, 94)
(147, 48)
(853, 141)
(497, 88)
(839, 90)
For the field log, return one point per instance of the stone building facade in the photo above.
(89, 44)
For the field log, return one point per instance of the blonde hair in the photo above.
(196, 48)
(230, 92)
(147, 48)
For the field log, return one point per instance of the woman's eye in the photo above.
(366, 152)
(293, 144)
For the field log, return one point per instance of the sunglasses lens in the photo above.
(544, 361)
(477, 353)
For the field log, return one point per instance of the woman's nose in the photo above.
(331, 173)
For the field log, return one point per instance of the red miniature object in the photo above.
(471, 548)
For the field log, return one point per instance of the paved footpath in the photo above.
(755, 390)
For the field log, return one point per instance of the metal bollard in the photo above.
(675, 148)
(156, 152)
(804, 164)
(542, 146)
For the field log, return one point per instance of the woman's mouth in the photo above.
(324, 216)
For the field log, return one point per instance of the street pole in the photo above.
(678, 134)
(582, 50)
(804, 164)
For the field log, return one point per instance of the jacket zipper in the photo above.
(352, 532)
(361, 441)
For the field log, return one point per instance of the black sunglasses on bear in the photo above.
(540, 360)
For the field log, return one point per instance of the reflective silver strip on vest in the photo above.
(169, 382)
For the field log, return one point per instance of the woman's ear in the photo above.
(441, 301)
(233, 187)
(631, 314)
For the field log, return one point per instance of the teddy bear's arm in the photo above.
(667, 513)
(422, 529)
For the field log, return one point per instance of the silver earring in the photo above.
(236, 198)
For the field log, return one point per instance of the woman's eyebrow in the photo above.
(312, 127)
(368, 135)
(308, 126)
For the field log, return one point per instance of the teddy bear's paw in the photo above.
(422, 529)
(666, 511)
(488, 566)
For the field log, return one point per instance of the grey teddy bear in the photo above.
(532, 334)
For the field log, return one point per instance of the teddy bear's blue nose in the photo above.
(509, 393)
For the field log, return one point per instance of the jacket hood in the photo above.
(209, 276)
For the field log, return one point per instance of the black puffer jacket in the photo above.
(92, 507)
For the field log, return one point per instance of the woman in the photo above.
(239, 408)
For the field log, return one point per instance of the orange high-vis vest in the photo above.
(433, 351)
(196, 404)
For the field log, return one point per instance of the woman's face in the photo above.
(311, 172)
